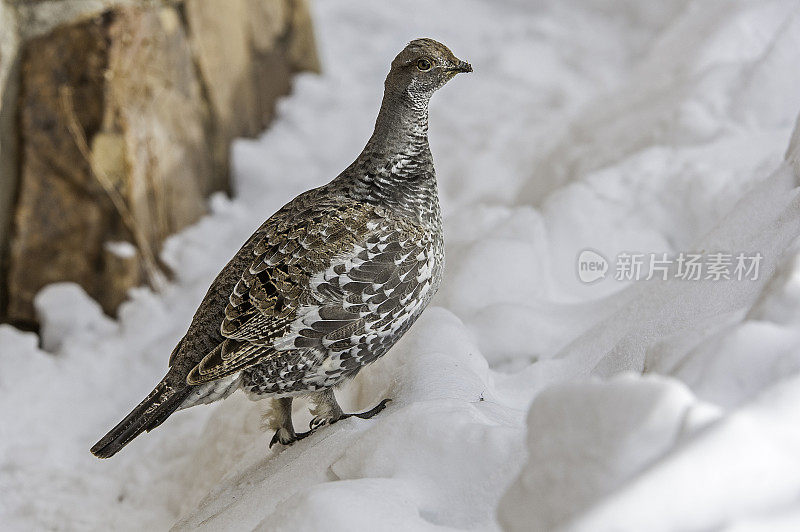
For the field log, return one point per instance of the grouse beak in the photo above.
(462, 66)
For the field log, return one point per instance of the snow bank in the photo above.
(650, 405)
(745, 465)
(588, 439)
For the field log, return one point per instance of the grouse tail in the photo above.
(150, 413)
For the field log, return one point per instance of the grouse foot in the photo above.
(285, 436)
(320, 421)
(326, 409)
(327, 412)
(281, 419)
(371, 412)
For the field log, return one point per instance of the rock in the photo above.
(122, 270)
(109, 156)
(126, 112)
(219, 33)
(139, 104)
(302, 45)
(38, 17)
(154, 101)
(9, 76)
(62, 215)
(268, 21)
(246, 51)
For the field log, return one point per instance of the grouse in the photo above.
(327, 284)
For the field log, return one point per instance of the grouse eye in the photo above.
(424, 65)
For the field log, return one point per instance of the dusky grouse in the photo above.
(328, 283)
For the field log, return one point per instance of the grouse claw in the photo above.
(285, 437)
(318, 422)
(371, 412)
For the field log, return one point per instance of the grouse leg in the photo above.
(282, 419)
(326, 409)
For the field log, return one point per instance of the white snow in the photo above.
(122, 249)
(524, 398)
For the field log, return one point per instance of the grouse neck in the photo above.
(395, 170)
(401, 128)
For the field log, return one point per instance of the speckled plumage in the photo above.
(329, 282)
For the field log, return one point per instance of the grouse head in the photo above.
(421, 68)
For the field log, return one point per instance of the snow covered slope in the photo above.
(525, 399)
